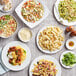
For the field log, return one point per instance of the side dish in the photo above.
(8, 26)
(32, 11)
(16, 55)
(67, 10)
(51, 38)
(7, 4)
(71, 44)
(69, 59)
(44, 68)
(25, 34)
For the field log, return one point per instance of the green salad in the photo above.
(67, 10)
(69, 59)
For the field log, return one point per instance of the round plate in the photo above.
(5, 59)
(62, 57)
(46, 57)
(57, 15)
(47, 51)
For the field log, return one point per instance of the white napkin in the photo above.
(3, 69)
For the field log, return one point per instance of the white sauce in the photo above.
(25, 34)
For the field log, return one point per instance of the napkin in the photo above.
(3, 69)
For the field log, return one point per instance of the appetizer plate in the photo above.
(1, 8)
(29, 24)
(46, 57)
(47, 51)
(57, 15)
(5, 59)
(62, 55)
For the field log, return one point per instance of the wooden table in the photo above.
(50, 20)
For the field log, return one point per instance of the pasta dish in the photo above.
(51, 38)
(44, 68)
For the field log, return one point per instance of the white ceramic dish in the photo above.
(29, 24)
(47, 51)
(46, 57)
(20, 36)
(16, 27)
(5, 58)
(57, 15)
(62, 57)
(69, 47)
(1, 8)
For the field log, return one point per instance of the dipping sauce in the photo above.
(25, 34)
(71, 43)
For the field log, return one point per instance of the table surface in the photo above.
(50, 20)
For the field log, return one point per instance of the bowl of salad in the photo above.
(32, 12)
(68, 59)
(8, 26)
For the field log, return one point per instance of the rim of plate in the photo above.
(5, 58)
(47, 51)
(58, 18)
(46, 57)
(68, 67)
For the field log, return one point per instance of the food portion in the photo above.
(7, 4)
(44, 68)
(51, 38)
(67, 10)
(16, 55)
(32, 11)
(8, 26)
(71, 44)
(69, 59)
(25, 34)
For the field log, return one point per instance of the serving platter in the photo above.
(5, 59)
(47, 51)
(29, 24)
(45, 57)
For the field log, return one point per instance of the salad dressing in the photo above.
(71, 43)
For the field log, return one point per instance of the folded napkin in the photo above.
(3, 69)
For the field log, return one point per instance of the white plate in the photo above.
(62, 55)
(29, 24)
(46, 57)
(47, 51)
(5, 59)
(2, 6)
(57, 15)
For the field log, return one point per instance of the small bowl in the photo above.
(20, 36)
(68, 67)
(69, 46)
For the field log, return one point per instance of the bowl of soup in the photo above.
(8, 26)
